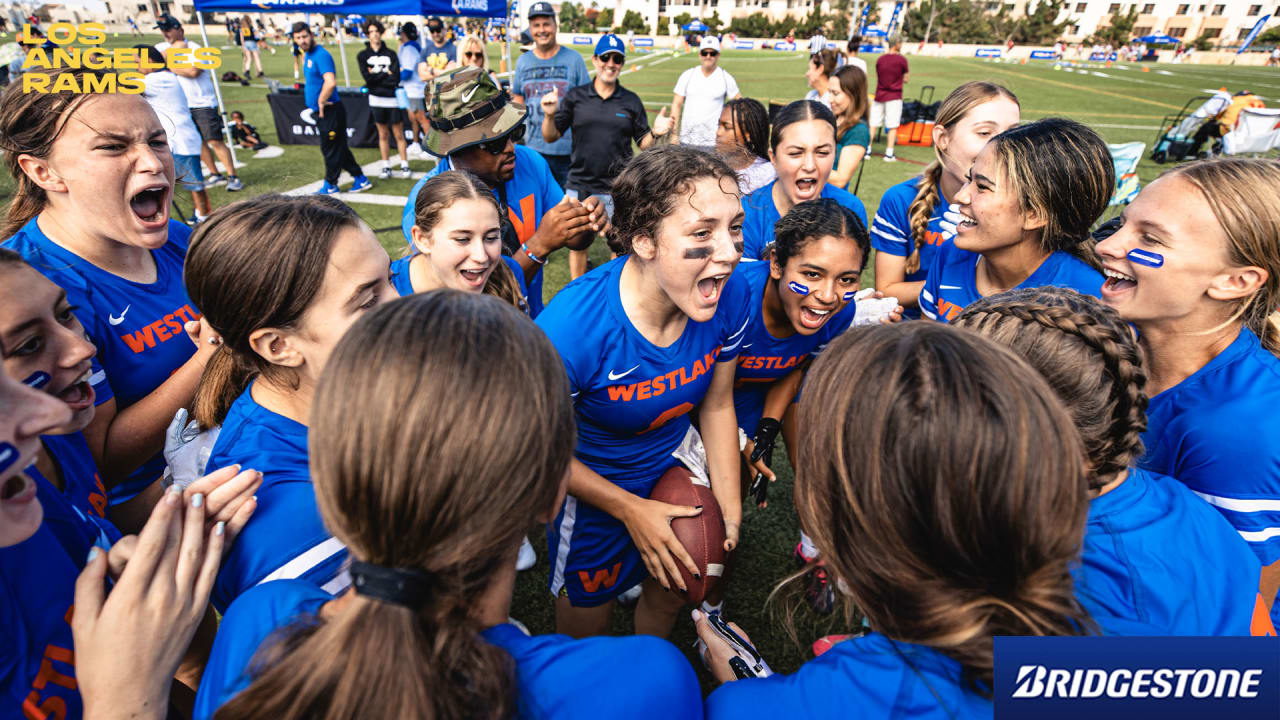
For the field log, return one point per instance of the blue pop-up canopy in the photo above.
(695, 26)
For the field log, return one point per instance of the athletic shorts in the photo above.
(186, 168)
(593, 559)
(208, 122)
(417, 104)
(384, 115)
(886, 114)
(251, 45)
(605, 199)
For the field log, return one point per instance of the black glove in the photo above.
(766, 435)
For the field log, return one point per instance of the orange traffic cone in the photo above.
(1146, 69)
(1024, 61)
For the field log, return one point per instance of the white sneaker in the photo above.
(405, 172)
(890, 158)
(386, 175)
(527, 557)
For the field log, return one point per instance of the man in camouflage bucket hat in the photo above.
(476, 126)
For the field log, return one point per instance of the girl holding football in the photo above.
(927, 454)
(1023, 217)
(279, 321)
(908, 228)
(432, 490)
(644, 339)
(1196, 269)
(91, 212)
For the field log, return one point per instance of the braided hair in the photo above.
(752, 122)
(1090, 358)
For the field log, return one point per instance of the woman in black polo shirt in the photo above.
(605, 117)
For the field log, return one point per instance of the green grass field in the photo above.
(1123, 103)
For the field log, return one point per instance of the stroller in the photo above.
(1175, 139)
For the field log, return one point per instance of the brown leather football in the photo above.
(702, 535)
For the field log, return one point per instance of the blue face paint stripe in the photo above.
(797, 288)
(1146, 257)
(849, 295)
(8, 456)
(37, 379)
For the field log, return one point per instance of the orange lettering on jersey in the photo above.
(622, 392)
(667, 416)
(599, 577)
(53, 708)
(48, 674)
(141, 340)
(98, 499)
(524, 227)
(162, 330)
(934, 238)
(1261, 625)
(948, 310)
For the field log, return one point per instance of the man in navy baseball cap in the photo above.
(541, 9)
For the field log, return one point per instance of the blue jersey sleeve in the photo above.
(324, 62)
(757, 223)
(929, 293)
(735, 310)
(891, 228)
(561, 325)
(847, 199)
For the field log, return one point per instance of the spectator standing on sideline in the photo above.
(606, 118)
(700, 95)
(165, 96)
(851, 54)
(197, 85)
(817, 43)
(822, 65)
(547, 67)
(381, 70)
(244, 134)
(249, 43)
(438, 52)
(886, 109)
(321, 92)
(410, 54)
(483, 127)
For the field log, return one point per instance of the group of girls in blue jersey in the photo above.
(370, 573)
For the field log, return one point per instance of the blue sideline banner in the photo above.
(987, 52)
(642, 42)
(784, 46)
(581, 40)
(743, 45)
(1042, 55)
(1170, 678)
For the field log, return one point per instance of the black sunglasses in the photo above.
(614, 58)
(708, 53)
(498, 145)
(470, 55)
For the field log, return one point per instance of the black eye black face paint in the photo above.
(698, 253)
(739, 246)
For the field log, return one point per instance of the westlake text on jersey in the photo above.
(59, 50)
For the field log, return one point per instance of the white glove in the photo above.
(186, 450)
(951, 219)
(869, 309)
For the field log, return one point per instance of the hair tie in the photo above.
(401, 586)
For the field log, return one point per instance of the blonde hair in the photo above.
(470, 40)
(953, 109)
(1244, 195)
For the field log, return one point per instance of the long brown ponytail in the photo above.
(943, 482)
(953, 109)
(412, 473)
(1088, 355)
(253, 264)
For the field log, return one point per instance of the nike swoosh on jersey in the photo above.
(949, 287)
(117, 320)
(619, 376)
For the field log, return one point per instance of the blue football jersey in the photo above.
(765, 359)
(870, 676)
(529, 194)
(631, 398)
(762, 215)
(1216, 432)
(1141, 562)
(951, 283)
(249, 622)
(891, 230)
(76, 515)
(560, 677)
(556, 676)
(37, 659)
(286, 537)
(137, 327)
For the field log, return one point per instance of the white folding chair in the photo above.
(1257, 131)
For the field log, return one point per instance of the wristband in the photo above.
(524, 248)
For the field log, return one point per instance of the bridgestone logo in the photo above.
(1037, 681)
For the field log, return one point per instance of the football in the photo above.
(702, 535)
